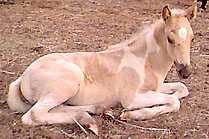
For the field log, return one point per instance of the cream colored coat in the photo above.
(63, 87)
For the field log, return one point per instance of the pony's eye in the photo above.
(170, 40)
(192, 39)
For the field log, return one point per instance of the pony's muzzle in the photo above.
(184, 71)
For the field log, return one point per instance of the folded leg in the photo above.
(150, 104)
(46, 111)
(177, 89)
(50, 108)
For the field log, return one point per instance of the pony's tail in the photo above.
(14, 98)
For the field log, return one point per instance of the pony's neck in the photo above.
(157, 57)
(151, 46)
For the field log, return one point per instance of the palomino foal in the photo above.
(64, 87)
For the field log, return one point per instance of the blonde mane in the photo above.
(144, 29)
(178, 11)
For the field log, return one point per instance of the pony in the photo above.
(69, 87)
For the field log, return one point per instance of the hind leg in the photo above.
(47, 111)
(96, 108)
(51, 88)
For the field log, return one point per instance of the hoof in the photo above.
(109, 113)
(28, 121)
(123, 116)
(94, 129)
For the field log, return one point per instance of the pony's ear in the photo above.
(192, 11)
(166, 13)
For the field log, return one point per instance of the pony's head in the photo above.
(179, 35)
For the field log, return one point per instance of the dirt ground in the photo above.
(32, 28)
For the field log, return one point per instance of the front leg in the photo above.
(150, 104)
(177, 89)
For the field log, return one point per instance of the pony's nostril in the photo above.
(180, 72)
(184, 74)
